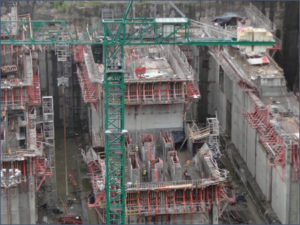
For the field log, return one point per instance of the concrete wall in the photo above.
(154, 117)
(193, 218)
(22, 203)
(262, 170)
(246, 140)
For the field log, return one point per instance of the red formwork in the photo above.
(273, 143)
(147, 141)
(68, 220)
(34, 91)
(23, 168)
(166, 138)
(42, 170)
(295, 162)
(175, 199)
(192, 90)
(78, 51)
(129, 145)
(140, 70)
(96, 169)
(174, 157)
(160, 92)
(146, 138)
(89, 90)
(134, 159)
(14, 97)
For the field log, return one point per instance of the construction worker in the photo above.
(144, 175)
(144, 172)
(187, 176)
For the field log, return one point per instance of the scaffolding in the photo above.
(43, 169)
(160, 198)
(96, 165)
(167, 143)
(209, 133)
(34, 91)
(176, 198)
(89, 90)
(13, 98)
(274, 143)
(155, 92)
(62, 52)
(31, 119)
(147, 147)
(22, 149)
(48, 119)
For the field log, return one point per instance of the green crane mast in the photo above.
(117, 34)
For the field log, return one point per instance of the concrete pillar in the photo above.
(269, 177)
(214, 214)
(31, 202)
(287, 180)
(15, 213)
(4, 217)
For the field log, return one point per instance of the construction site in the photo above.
(149, 112)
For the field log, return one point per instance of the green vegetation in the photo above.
(65, 6)
(62, 6)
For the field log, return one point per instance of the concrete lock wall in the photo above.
(21, 200)
(233, 99)
(154, 117)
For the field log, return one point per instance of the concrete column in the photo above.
(214, 214)
(15, 213)
(31, 202)
(4, 217)
(287, 181)
(269, 177)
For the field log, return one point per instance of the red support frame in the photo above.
(157, 202)
(13, 97)
(159, 91)
(34, 92)
(5, 99)
(183, 200)
(273, 143)
(89, 89)
(138, 202)
(166, 202)
(41, 171)
(148, 203)
(192, 204)
(295, 162)
(208, 201)
(168, 90)
(128, 92)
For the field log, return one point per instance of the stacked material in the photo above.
(253, 34)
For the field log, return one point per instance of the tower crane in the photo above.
(117, 34)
